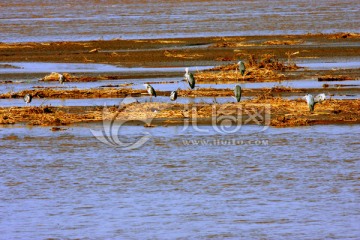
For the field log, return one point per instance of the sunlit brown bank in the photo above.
(267, 59)
(274, 112)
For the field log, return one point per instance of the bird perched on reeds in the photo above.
(237, 92)
(310, 101)
(189, 78)
(173, 95)
(27, 99)
(241, 67)
(61, 78)
(150, 90)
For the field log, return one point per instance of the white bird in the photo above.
(173, 95)
(27, 98)
(320, 98)
(150, 90)
(310, 101)
(61, 79)
(189, 78)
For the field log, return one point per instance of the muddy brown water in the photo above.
(184, 182)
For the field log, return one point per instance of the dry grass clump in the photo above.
(340, 35)
(43, 115)
(74, 93)
(230, 42)
(17, 45)
(334, 78)
(5, 119)
(267, 67)
(284, 113)
(296, 113)
(174, 54)
(228, 67)
(46, 115)
(222, 76)
(54, 76)
(344, 35)
(206, 92)
(268, 93)
(224, 42)
(270, 62)
(225, 59)
(147, 111)
(224, 45)
(169, 41)
(284, 89)
(283, 42)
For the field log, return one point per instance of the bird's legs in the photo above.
(186, 84)
(214, 100)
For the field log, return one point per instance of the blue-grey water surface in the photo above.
(35, 20)
(292, 183)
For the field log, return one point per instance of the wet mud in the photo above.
(184, 51)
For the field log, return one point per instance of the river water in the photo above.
(35, 20)
(184, 182)
(255, 183)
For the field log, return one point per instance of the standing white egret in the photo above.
(241, 67)
(61, 78)
(189, 78)
(320, 98)
(27, 99)
(150, 90)
(310, 101)
(173, 95)
(237, 92)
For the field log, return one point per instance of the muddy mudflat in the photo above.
(183, 52)
(267, 59)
